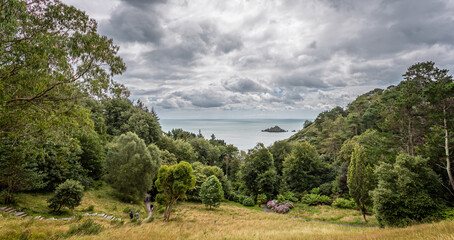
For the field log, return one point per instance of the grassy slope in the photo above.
(194, 221)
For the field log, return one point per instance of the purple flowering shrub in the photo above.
(282, 207)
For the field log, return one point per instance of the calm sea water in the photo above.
(242, 133)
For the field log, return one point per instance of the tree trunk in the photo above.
(363, 211)
(448, 162)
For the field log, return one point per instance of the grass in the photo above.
(101, 200)
(195, 221)
(332, 214)
(230, 221)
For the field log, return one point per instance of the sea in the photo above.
(242, 133)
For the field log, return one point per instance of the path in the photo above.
(22, 214)
(148, 207)
(266, 209)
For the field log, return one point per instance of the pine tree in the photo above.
(211, 192)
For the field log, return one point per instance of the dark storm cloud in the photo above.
(242, 85)
(131, 24)
(307, 54)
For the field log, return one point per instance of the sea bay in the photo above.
(242, 133)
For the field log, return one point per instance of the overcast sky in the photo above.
(269, 59)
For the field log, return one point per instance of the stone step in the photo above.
(11, 211)
(2, 209)
(20, 214)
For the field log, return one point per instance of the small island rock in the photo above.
(274, 129)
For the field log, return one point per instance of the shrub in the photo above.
(86, 228)
(249, 202)
(316, 199)
(326, 189)
(315, 190)
(280, 198)
(261, 198)
(241, 198)
(283, 207)
(345, 203)
(67, 194)
(211, 192)
(289, 196)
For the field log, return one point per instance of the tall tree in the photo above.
(440, 96)
(302, 169)
(131, 166)
(258, 171)
(172, 184)
(50, 56)
(360, 179)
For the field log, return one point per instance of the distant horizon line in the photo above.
(311, 119)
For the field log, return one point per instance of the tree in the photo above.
(50, 57)
(408, 191)
(172, 184)
(131, 166)
(211, 192)
(440, 95)
(67, 194)
(360, 179)
(302, 169)
(19, 168)
(258, 171)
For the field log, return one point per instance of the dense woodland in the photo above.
(63, 117)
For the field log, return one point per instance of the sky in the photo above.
(269, 58)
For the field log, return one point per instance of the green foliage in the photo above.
(182, 150)
(211, 192)
(51, 57)
(172, 184)
(67, 194)
(313, 199)
(248, 202)
(290, 196)
(280, 198)
(345, 203)
(206, 152)
(262, 198)
(131, 166)
(360, 179)
(19, 169)
(408, 191)
(326, 189)
(302, 168)
(258, 171)
(88, 227)
(315, 190)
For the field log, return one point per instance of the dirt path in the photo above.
(148, 207)
(266, 209)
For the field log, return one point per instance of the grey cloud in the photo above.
(229, 43)
(303, 79)
(205, 98)
(130, 24)
(242, 85)
(142, 3)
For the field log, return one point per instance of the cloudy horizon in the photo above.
(269, 59)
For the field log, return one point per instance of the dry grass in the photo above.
(332, 214)
(194, 221)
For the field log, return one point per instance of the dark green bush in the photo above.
(345, 203)
(67, 194)
(316, 199)
(249, 202)
(326, 189)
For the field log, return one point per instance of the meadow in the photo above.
(195, 221)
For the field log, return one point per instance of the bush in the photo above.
(345, 203)
(241, 198)
(408, 191)
(283, 207)
(86, 228)
(326, 189)
(68, 194)
(315, 190)
(89, 208)
(211, 192)
(316, 199)
(261, 198)
(249, 202)
(289, 196)
(280, 198)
